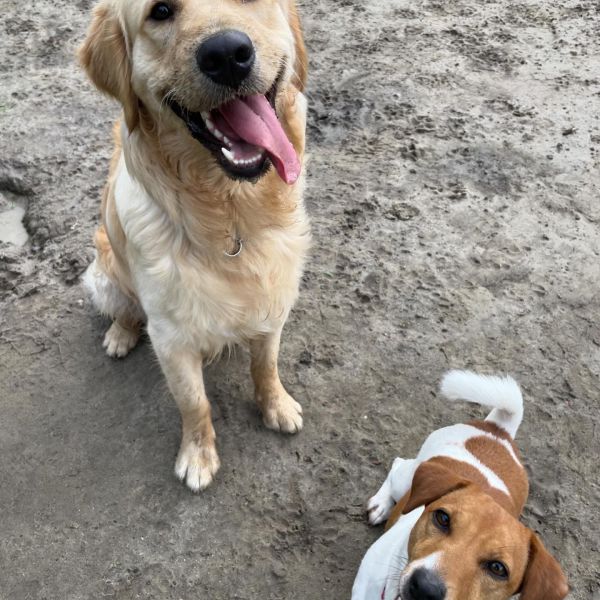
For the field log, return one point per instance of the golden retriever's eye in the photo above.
(441, 519)
(161, 11)
(496, 569)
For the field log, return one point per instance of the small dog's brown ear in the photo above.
(430, 482)
(104, 56)
(544, 579)
(301, 60)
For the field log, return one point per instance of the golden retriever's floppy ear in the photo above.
(430, 482)
(104, 57)
(301, 62)
(544, 579)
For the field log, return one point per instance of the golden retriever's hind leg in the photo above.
(127, 315)
(280, 411)
(121, 338)
(197, 461)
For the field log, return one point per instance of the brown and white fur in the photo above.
(472, 474)
(170, 214)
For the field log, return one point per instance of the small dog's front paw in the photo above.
(380, 506)
(118, 341)
(197, 465)
(282, 413)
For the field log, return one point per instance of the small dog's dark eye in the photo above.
(441, 519)
(161, 11)
(497, 569)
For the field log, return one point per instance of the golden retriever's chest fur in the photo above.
(175, 242)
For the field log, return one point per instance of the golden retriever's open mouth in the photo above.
(245, 136)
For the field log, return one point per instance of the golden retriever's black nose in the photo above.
(226, 57)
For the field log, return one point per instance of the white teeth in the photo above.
(241, 162)
(227, 140)
(211, 127)
(228, 154)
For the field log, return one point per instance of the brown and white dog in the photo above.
(204, 232)
(453, 530)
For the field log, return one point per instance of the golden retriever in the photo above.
(204, 232)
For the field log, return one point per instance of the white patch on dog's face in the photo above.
(395, 585)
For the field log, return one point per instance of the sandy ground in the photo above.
(454, 193)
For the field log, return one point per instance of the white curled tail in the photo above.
(502, 394)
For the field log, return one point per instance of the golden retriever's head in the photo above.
(217, 67)
(465, 546)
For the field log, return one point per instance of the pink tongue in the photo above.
(254, 121)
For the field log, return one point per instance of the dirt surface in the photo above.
(454, 194)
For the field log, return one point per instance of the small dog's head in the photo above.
(215, 67)
(465, 546)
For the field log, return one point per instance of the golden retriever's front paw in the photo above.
(282, 413)
(118, 341)
(197, 465)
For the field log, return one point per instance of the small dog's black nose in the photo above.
(424, 584)
(226, 57)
